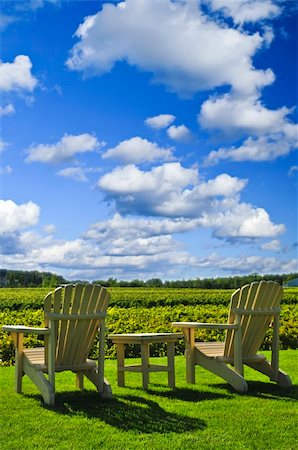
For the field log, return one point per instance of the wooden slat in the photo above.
(254, 324)
(211, 349)
(101, 303)
(47, 308)
(150, 368)
(237, 298)
(246, 320)
(80, 317)
(57, 300)
(271, 300)
(260, 298)
(92, 328)
(256, 333)
(103, 299)
(70, 338)
(82, 326)
(138, 338)
(64, 323)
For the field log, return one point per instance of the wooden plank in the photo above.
(275, 347)
(18, 340)
(120, 365)
(93, 325)
(64, 323)
(53, 337)
(235, 298)
(139, 340)
(254, 288)
(102, 301)
(270, 301)
(211, 349)
(47, 306)
(145, 364)
(190, 354)
(70, 339)
(171, 364)
(82, 326)
(255, 324)
(23, 329)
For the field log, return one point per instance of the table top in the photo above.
(148, 337)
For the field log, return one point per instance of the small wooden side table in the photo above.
(144, 340)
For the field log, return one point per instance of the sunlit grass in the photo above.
(208, 415)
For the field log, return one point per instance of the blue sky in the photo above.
(149, 138)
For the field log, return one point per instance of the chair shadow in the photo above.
(261, 389)
(190, 395)
(126, 412)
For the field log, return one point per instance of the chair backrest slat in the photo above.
(100, 299)
(269, 297)
(248, 304)
(74, 337)
(258, 296)
(64, 323)
(82, 325)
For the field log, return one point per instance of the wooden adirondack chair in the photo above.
(74, 314)
(253, 309)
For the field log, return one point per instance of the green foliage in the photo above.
(155, 320)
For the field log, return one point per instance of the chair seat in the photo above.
(36, 357)
(216, 350)
(211, 349)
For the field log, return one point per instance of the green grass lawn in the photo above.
(208, 415)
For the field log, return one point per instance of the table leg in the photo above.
(171, 364)
(189, 353)
(120, 364)
(145, 364)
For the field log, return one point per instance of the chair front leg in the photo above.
(18, 339)
(189, 334)
(238, 363)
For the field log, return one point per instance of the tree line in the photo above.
(200, 283)
(21, 278)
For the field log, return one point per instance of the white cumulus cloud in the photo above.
(248, 264)
(50, 228)
(168, 190)
(137, 150)
(273, 245)
(180, 133)
(231, 219)
(77, 173)
(246, 10)
(63, 150)
(7, 170)
(7, 110)
(263, 148)
(183, 54)
(17, 76)
(160, 121)
(177, 193)
(16, 217)
(245, 114)
(3, 145)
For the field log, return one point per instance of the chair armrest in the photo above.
(210, 326)
(24, 329)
